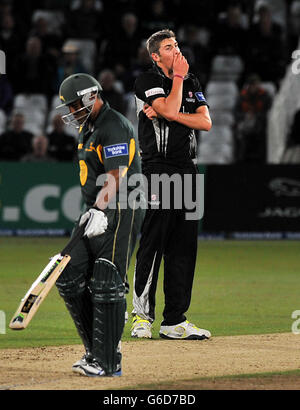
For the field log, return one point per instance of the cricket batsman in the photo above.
(93, 283)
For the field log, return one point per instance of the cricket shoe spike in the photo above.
(141, 328)
(184, 331)
(93, 369)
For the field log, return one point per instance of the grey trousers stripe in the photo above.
(141, 303)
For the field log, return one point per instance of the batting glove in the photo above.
(97, 222)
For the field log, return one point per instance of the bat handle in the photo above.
(78, 234)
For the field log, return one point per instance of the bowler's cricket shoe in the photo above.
(141, 328)
(93, 369)
(184, 331)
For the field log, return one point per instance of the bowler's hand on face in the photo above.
(180, 64)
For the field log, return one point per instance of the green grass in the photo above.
(246, 287)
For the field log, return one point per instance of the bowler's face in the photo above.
(167, 50)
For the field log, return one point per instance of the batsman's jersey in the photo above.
(162, 141)
(109, 145)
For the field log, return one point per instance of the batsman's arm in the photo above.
(109, 189)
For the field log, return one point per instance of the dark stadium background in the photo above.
(244, 55)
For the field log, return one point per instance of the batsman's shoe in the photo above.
(141, 328)
(93, 369)
(184, 331)
(86, 358)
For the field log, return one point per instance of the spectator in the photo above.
(110, 91)
(266, 55)
(39, 150)
(157, 15)
(230, 36)
(15, 142)
(251, 119)
(121, 47)
(141, 64)
(6, 93)
(69, 63)
(38, 70)
(61, 146)
(85, 22)
(51, 42)
(196, 52)
(200, 13)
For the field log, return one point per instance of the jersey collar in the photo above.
(160, 71)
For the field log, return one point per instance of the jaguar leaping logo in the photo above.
(285, 187)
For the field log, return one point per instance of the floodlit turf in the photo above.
(240, 287)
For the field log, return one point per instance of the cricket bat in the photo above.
(43, 284)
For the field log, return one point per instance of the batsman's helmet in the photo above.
(81, 87)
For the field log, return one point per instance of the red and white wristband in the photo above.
(178, 75)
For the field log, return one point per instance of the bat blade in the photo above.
(38, 292)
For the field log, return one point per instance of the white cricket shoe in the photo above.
(184, 330)
(86, 358)
(93, 369)
(141, 328)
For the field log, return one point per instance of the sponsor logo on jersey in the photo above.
(116, 150)
(154, 200)
(154, 91)
(200, 97)
(190, 97)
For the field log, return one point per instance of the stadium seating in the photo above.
(219, 134)
(3, 120)
(224, 118)
(226, 68)
(217, 145)
(30, 102)
(131, 110)
(34, 107)
(215, 153)
(221, 87)
(54, 18)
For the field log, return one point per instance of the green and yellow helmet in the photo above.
(81, 87)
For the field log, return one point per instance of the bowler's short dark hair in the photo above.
(153, 42)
